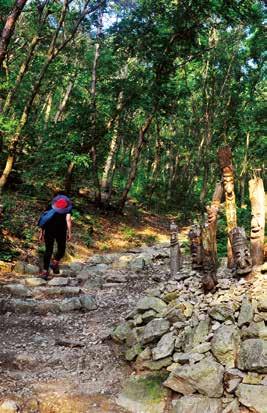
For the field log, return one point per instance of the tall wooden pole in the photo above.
(196, 247)
(257, 199)
(174, 249)
(212, 211)
(227, 169)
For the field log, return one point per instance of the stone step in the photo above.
(82, 302)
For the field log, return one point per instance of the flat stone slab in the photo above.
(34, 282)
(18, 290)
(58, 281)
(56, 291)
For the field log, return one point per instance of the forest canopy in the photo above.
(130, 98)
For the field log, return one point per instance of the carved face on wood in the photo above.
(241, 251)
(228, 183)
(256, 225)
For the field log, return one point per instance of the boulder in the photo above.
(151, 303)
(19, 267)
(18, 290)
(164, 347)
(154, 365)
(225, 345)
(222, 312)
(206, 377)
(70, 304)
(35, 282)
(58, 282)
(232, 407)
(154, 330)
(88, 302)
(246, 312)
(137, 264)
(120, 333)
(197, 404)
(262, 302)
(143, 394)
(253, 355)
(133, 352)
(253, 396)
(31, 269)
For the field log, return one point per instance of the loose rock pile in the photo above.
(214, 345)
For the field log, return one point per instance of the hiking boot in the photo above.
(55, 267)
(44, 275)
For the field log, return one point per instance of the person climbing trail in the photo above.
(55, 225)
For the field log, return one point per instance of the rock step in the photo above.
(83, 302)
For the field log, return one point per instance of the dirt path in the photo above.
(67, 361)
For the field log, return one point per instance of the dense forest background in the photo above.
(131, 99)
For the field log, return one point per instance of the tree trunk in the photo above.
(22, 71)
(257, 199)
(64, 101)
(136, 156)
(68, 178)
(9, 28)
(243, 174)
(225, 161)
(113, 149)
(93, 151)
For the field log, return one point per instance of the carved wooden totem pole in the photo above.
(209, 241)
(257, 199)
(196, 247)
(175, 256)
(225, 160)
(241, 251)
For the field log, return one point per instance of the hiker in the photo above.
(55, 224)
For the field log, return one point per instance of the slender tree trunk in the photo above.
(113, 149)
(204, 188)
(257, 199)
(68, 178)
(93, 151)
(22, 71)
(64, 101)
(136, 156)
(9, 28)
(225, 160)
(243, 174)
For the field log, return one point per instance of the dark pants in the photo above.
(50, 238)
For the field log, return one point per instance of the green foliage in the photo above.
(196, 67)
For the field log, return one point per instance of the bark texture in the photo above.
(9, 28)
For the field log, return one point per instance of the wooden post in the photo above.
(225, 161)
(174, 249)
(257, 199)
(241, 252)
(196, 247)
(209, 265)
(212, 211)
